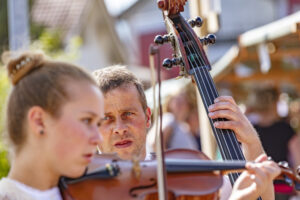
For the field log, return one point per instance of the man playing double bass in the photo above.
(127, 118)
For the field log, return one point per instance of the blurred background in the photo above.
(256, 58)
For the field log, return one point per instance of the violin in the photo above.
(190, 175)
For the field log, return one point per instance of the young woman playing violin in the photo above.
(53, 114)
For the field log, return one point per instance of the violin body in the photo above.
(128, 184)
(190, 176)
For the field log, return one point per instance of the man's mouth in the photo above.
(123, 144)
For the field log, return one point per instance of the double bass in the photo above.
(189, 54)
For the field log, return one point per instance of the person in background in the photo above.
(275, 133)
(53, 116)
(179, 116)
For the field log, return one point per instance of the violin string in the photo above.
(232, 138)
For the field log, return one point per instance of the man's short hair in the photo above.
(112, 77)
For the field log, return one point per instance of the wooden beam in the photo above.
(279, 76)
(245, 55)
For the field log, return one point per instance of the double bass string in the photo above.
(232, 138)
(209, 82)
(209, 101)
(239, 155)
(235, 152)
(205, 101)
(213, 92)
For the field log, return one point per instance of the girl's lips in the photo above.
(88, 157)
(123, 144)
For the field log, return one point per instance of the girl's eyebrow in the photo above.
(90, 113)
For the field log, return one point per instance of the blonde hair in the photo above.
(37, 82)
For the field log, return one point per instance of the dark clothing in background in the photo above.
(275, 139)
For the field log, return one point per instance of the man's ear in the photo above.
(36, 119)
(148, 117)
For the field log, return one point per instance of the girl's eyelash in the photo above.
(88, 120)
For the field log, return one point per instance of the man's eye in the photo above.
(128, 113)
(106, 118)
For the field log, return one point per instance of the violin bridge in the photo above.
(136, 168)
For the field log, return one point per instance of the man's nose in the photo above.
(120, 127)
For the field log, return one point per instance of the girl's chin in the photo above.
(75, 173)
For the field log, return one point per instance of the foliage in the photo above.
(4, 88)
(50, 41)
(51, 44)
(4, 164)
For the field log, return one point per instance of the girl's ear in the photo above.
(148, 117)
(36, 119)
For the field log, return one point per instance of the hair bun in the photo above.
(22, 65)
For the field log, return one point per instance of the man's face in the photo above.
(125, 123)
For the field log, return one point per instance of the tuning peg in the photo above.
(284, 164)
(168, 63)
(162, 39)
(209, 39)
(196, 22)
